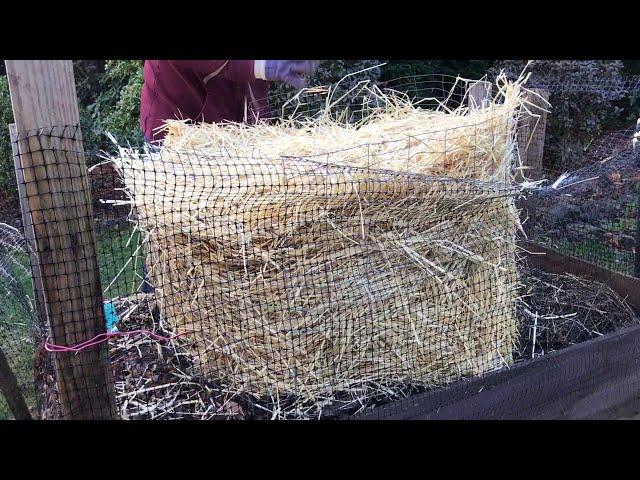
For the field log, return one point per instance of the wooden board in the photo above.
(59, 206)
(479, 95)
(555, 262)
(531, 134)
(27, 226)
(598, 379)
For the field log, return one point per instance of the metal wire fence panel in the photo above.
(629, 86)
(592, 210)
(588, 223)
(433, 91)
(588, 206)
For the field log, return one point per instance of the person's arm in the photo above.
(293, 72)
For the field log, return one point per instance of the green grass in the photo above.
(119, 272)
(16, 339)
(594, 250)
(627, 223)
(22, 352)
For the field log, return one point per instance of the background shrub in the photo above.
(110, 100)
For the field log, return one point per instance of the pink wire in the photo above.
(103, 337)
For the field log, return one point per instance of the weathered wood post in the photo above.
(27, 226)
(11, 391)
(479, 95)
(55, 197)
(531, 134)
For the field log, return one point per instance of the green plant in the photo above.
(116, 107)
(17, 323)
(7, 174)
(120, 269)
(594, 251)
(626, 223)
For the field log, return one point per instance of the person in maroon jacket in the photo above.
(213, 90)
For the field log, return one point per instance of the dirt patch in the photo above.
(558, 311)
(591, 202)
(153, 380)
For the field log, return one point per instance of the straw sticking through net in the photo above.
(316, 260)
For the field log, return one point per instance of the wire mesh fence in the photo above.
(18, 320)
(629, 86)
(589, 206)
(591, 212)
(351, 102)
(261, 286)
(238, 283)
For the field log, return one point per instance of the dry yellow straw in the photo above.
(315, 259)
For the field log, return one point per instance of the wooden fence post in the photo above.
(58, 204)
(479, 95)
(28, 227)
(531, 134)
(11, 390)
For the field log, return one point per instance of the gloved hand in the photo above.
(292, 72)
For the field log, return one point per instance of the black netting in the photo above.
(236, 283)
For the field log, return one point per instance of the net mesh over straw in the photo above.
(313, 261)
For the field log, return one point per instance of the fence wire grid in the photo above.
(239, 287)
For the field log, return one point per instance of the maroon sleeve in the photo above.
(233, 70)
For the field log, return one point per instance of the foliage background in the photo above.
(7, 177)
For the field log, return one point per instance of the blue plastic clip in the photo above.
(111, 317)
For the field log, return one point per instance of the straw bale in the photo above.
(309, 258)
